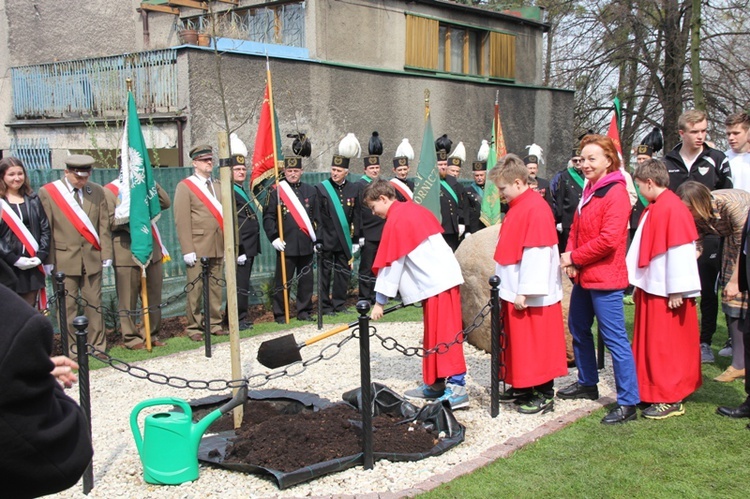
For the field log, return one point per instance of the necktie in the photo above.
(77, 196)
(210, 187)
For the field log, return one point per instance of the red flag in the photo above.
(614, 129)
(264, 141)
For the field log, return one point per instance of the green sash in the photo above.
(576, 176)
(328, 186)
(239, 190)
(643, 200)
(366, 178)
(479, 190)
(450, 190)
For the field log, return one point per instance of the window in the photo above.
(436, 45)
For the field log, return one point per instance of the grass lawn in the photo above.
(699, 454)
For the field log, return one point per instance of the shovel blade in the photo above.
(279, 352)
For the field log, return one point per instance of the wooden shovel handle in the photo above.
(344, 327)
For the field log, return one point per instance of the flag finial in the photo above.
(129, 84)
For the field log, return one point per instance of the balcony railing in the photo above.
(96, 87)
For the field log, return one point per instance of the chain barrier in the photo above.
(303, 271)
(390, 343)
(218, 385)
(337, 267)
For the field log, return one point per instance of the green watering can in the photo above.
(169, 445)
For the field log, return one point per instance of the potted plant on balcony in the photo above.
(187, 33)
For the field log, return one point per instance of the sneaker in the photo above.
(426, 392)
(537, 403)
(707, 356)
(456, 396)
(577, 391)
(727, 350)
(516, 395)
(663, 411)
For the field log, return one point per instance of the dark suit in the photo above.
(544, 190)
(248, 230)
(298, 253)
(371, 231)
(409, 183)
(474, 201)
(567, 195)
(744, 281)
(336, 252)
(454, 212)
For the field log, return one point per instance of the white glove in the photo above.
(461, 229)
(241, 259)
(355, 248)
(315, 248)
(278, 244)
(468, 235)
(559, 228)
(25, 263)
(106, 263)
(190, 259)
(48, 269)
(361, 241)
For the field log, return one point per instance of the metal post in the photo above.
(600, 348)
(319, 253)
(363, 306)
(81, 323)
(206, 305)
(495, 342)
(62, 312)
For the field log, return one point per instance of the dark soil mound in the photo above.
(290, 442)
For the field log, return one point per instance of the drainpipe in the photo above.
(180, 142)
(146, 33)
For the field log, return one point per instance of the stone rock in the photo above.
(475, 255)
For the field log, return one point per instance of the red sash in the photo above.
(211, 202)
(63, 198)
(295, 208)
(27, 239)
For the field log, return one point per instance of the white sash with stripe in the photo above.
(402, 188)
(19, 225)
(67, 196)
(210, 196)
(298, 208)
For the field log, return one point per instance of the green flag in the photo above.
(427, 183)
(137, 200)
(490, 212)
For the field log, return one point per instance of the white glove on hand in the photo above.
(361, 241)
(461, 229)
(468, 235)
(36, 261)
(559, 228)
(190, 259)
(241, 260)
(25, 263)
(106, 263)
(355, 248)
(315, 248)
(278, 244)
(48, 269)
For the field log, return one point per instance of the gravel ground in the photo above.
(117, 468)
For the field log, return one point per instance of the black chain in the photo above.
(302, 272)
(337, 267)
(390, 343)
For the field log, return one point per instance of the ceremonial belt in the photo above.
(403, 189)
(295, 208)
(114, 187)
(69, 207)
(328, 186)
(576, 176)
(450, 190)
(239, 190)
(211, 203)
(27, 239)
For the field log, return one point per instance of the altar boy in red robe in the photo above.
(528, 264)
(413, 260)
(663, 268)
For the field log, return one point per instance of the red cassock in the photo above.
(407, 226)
(535, 340)
(666, 342)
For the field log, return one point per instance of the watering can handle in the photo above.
(150, 403)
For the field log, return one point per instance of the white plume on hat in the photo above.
(536, 150)
(405, 149)
(350, 147)
(484, 151)
(459, 152)
(236, 145)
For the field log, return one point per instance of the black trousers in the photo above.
(709, 266)
(746, 339)
(243, 287)
(294, 266)
(366, 259)
(335, 262)
(452, 240)
(562, 240)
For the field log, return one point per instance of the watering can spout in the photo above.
(201, 426)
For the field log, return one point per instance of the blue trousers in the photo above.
(607, 307)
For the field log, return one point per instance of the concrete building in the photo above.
(337, 67)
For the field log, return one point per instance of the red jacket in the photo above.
(598, 239)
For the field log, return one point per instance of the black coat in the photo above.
(329, 227)
(10, 246)
(409, 183)
(372, 225)
(248, 226)
(544, 190)
(44, 434)
(567, 195)
(474, 200)
(453, 213)
(297, 243)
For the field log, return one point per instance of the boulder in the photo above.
(475, 255)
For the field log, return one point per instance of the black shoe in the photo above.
(620, 414)
(741, 411)
(280, 320)
(305, 318)
(243, 325)
(330, 313)
(578, 391)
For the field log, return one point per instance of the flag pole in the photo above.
(278, 204)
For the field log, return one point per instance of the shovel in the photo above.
(284, 350)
